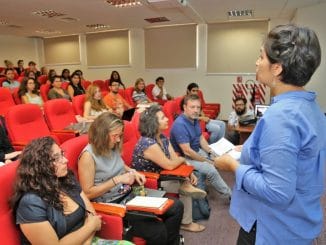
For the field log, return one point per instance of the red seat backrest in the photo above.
(25, 122)
(85, 84)
(44, 90)
(59, 114)
(78, 104)
(148, 91)
(170, 111)
(6, 101)
(16, 96)
(101, 84)
(128, 96)
(129, 141)
(9, 233)
(72, 149)
(42, 79)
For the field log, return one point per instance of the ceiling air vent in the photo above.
(69, 19)
(157, 19)
(97, 26)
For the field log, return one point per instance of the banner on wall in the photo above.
(254, 92)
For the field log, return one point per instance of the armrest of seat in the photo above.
(65, 131)
(18, 145)
(150, 175)
(180, 173)
(110, 208)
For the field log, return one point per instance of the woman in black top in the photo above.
(75, 88)
(48, 202)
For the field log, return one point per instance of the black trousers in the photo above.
(247, 238)
(157, 232)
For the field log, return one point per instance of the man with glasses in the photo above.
(240, 111)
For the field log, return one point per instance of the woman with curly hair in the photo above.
(29, 93)
(48, 202)
(94, 104)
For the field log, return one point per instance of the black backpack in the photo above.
(200, 207)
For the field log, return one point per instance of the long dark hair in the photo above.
(23, 87)
(116, 80)
(36, 174)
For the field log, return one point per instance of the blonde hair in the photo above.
(97, 105)
(138, 81)
(98, 134)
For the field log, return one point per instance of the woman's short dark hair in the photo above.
(297, 49)
(148, 122)
(98, 133)
(52, 79)
(36, 173)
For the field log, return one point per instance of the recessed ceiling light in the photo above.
(47, 13)
(236, 13)
(97, 26)
(124, 3)
(47, 32)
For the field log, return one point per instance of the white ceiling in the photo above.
(16, 16)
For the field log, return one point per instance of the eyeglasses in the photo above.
(59, 157)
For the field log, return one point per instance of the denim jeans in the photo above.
(216, 128)
(212, 175)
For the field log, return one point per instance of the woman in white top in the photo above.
(94, 104)
(29, 93)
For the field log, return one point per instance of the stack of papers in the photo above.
(224, 146)
(147, 202)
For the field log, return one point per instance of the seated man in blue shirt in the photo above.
(187, 139)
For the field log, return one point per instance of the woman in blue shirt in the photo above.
(281, 173)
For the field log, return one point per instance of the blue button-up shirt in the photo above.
(282, 172)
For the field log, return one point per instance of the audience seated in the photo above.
(94, 104)
(187, 140)
(105, 178)
(48, 203)
(29, 93)
(20, 67)
(7, 152)
(240, 111)
(115, 101)
(154, 153)
(56, 92)
(159, 91)
(44, 70)
(215, 127)
(32, 67)
(65, 75)
(75, 87)
(10, 81)
(115, 76)
(80, 73)
(139, 96)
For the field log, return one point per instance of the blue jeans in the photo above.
(212, 175)
(216, 128)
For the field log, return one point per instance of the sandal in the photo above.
(192, 227)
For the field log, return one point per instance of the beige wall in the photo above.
(216, 87)
(15, 48)
(314, 17)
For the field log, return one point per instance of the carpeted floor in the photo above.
(221, 229)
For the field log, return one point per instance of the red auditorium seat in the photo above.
(78, 104)
(59, 114)
(6, 101)
(112, 225)
(24, 123)
(9, 233)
